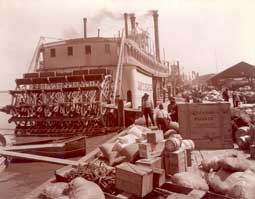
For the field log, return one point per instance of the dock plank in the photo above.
(33, 146)
(39, 157)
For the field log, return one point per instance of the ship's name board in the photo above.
(145, 87)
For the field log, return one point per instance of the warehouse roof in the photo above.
(239, 70)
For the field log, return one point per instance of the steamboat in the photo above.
(78, 86)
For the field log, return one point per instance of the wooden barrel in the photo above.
(169, 133)
(244, 142)
(242, 131)
(176, 136)
(174, 125)
(188, 144)
(173, 144)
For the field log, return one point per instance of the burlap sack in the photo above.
(222, 180)
(191, 180)
(244, 188)
(233, 164)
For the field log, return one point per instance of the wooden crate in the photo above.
(159, 177)
(149, 150)
(189, 157)
(208, 125)
(155, 136)
(175, 162)
(134, 179)
(151, 162)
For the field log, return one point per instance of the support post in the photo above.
(121, 113)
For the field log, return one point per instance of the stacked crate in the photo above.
(154, 146)
(208, 125)
(134, 179)
(175, 161)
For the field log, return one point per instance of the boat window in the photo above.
(52, 52)
(87, 49)
(70, 51)
(107, 49)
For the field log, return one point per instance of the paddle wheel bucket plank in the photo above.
(46, 104)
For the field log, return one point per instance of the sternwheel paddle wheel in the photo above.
(52, 104)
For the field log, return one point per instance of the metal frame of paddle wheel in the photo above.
(45, 104)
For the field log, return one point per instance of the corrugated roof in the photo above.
(239, 70)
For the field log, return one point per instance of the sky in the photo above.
(206, 36)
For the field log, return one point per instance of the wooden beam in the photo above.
(34, 146)
(39, 157)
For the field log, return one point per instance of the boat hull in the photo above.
(72, 147)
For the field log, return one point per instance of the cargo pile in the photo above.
(227, 175)
(134, 163)
(158, 158)
(212, 96)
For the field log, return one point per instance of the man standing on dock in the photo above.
(147, 109)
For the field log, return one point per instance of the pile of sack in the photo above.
(231, 176)
(78, 188)
(213, 96)
(125, 148)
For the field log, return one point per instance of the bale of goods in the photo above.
(106, 149)
(127, 139)
(191, 180)
(116, 158)
(222, 180)
(243, 142)
(242, 131)
(173, 144)
(244, 188)
(234, 164)
(136, 132)
(141, 121)
(131, 152)
(210, 164)
(84, 189)
(55, 190)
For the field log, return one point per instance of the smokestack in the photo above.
(132, 19)
(98, 32)
(155, 19)
(85, 27)
(126, 24)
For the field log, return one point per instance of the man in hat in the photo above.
(147, 109)
(172, 109)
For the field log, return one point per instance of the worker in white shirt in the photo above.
(162, 118)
